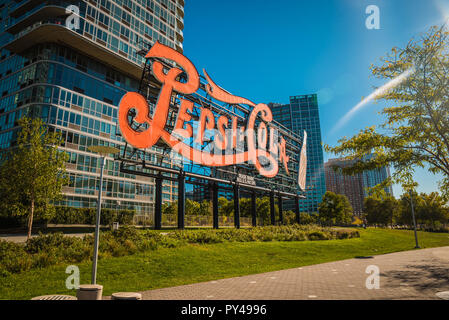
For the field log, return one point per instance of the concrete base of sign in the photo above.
(126, 296)
(90, 292)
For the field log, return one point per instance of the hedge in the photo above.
(70, 215)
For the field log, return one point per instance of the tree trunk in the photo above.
(30, 219)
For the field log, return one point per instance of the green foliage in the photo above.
(50, 249)
(431, 211)
(13, 258)
(226, 208)
(170, 208)
(415, 132)
(199, 263)
(33, 173)
(70, 215)
(289, 217)
(306, 218)
(192, 207)
(335, 209)
(381, 210)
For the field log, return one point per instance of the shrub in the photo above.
(50, 249)
(318, 235)
(198, 236)
(13, 258)
(70, 215)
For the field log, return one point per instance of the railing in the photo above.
(59, 3)
(55, 21)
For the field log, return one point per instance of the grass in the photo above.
(192, 263)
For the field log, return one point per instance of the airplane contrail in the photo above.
(377, 93)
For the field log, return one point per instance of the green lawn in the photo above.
(195, 263)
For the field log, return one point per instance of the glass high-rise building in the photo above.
(354, 187)
(299, 115)
(69, 63)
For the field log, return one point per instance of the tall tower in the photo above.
(300, 115)
(355, 186)
(69, 63)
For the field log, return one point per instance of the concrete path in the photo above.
(416, 274)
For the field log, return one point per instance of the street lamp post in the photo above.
(414, 220)
(103, 151)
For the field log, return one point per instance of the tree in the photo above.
(205, 208)
(170, 208)
(415, 132)
(225, 207)
(306, 218)
(432, 209)
(388, 209)
(335, 209)
(245, 207)
(371, 206)
(191, 207)
(405, 209)
(33, 173)
(380, 209)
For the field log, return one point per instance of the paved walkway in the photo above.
(417, 274)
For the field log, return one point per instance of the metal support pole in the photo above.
(298, 216)
(272, 213)
(253, 209)
(236, 206)
(158, 204)
(181, 199)
(281, 218)
(97, 223)
(414, 221)
(215, 205)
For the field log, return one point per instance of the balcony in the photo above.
(179, 22)
(179, 46)
(179, 35)
(180, 11)
(23, 8)
(55, 31)
(38, 15)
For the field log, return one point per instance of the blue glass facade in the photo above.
(74, 80)
(372, 178)
(299, 115)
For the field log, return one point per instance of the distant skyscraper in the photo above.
(354, 186)
(300, 115)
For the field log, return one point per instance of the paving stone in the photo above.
(423, 273)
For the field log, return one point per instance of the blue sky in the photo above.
(268, 51)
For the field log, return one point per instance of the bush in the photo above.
(13, 258)
(306, 218)
(318, 235)
(50, 249)
(198, 236)
(70, 215)
(268, 233)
